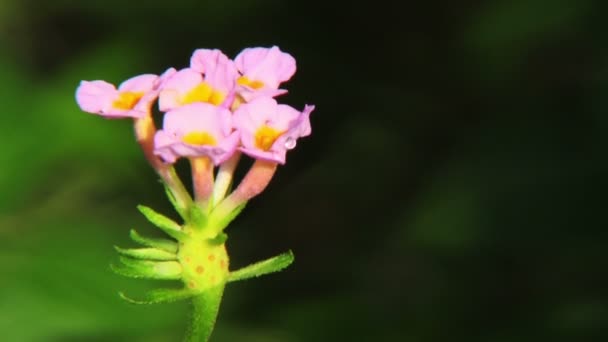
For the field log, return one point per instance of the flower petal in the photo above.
(273, 156)
(269, 129)
(268, 65)
(162, 146)
(95, 96)
(176, 86)
(149, 97)
(194, 130)
(142, 83)
(219, 70)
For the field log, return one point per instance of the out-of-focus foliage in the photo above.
(453, 188)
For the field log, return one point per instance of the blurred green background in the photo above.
(453, 188)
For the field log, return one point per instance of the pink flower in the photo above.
(186, 87)
(196, 130)
(218, 70)
(210, 79)
(133, 97)
(269, 129)
(263, 70)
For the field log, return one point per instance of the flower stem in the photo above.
(205, 308)
(177, 188)
(202, 178)
(144, 132)
(224, 178)
(254, 182)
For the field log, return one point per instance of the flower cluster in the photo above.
(213, 110)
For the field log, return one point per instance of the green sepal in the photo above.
(146, 253)
(183, 212)
(223, 222)
(164, 244)
(219, 239)
(161, 296)
(197, 216)
(164, 223)
(133, 268)
(261, 268)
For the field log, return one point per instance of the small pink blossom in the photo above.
(189, 86)
(196, 130)
(269, 129)
(180, 90)
(263, 70)
(133, 97)
(218, 70)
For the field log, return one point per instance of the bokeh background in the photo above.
(454, 187)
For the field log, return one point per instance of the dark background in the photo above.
(453, 187)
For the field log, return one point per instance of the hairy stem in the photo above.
(205, 308)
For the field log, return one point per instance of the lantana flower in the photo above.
(101, 97)
(196, 130)
(210, 79)
(269, 129)
(263, 70)
(217, 69)
(133, 98)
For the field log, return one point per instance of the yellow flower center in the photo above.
(244, 81)
(203, 93)
(199, 138)
(265, 137)
(127, 100)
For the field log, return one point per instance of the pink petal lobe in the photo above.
(269, 65)
(219, 70)
(264, 116)
(206, 60)
(176, 86)
(273, 156)
(95, 96)
(141, 83)
(196, 118)
(162, 146)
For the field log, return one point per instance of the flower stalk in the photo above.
(144, 134)
(202, 179)
(178, 191)
(224, 179)
(254, 182)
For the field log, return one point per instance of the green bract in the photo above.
(195, 254)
